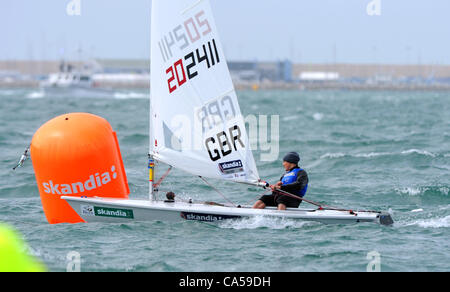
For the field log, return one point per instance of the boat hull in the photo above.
(118, 211)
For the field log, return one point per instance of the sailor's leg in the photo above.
(281, 207)
(259, 205)
(265, 201)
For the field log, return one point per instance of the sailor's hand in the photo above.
(276, 186)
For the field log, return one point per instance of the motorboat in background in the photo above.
(70, 77)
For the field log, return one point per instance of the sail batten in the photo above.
(191, 7)
(197, 125)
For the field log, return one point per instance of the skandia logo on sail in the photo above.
(93, 182)
(231, 167)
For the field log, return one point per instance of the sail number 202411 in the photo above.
(184, 69)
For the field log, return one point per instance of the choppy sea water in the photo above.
(368, 150)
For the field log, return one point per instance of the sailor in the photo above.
(291, 187)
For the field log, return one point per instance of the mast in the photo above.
(151, 161)
(151, 174)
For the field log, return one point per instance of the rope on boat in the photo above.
(284, 193)
(220, 193)
(321, 206)
(281, 192)
(158, 183)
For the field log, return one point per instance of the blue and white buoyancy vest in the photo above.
(291, 177)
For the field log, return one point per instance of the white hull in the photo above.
(116, 211)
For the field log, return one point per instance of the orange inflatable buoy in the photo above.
(76, 155)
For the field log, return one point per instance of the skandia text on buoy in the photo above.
(94, 181)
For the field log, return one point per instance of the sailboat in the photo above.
(196, 126)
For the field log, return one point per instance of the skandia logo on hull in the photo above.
(206, 217)
(93, 182)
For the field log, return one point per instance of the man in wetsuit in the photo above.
(294, 181)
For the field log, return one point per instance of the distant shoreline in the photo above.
(268, 86)
(346, 87)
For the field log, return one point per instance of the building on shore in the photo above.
(377, 73)
(245, 74)
(247, 71)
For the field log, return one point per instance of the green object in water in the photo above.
(13, 253)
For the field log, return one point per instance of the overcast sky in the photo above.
(313, 31)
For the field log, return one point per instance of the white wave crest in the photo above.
(444, 190)
(290, 118)
(417, 151)
(264, 222)
(358, 155)
(130, 95)
(372, 154)
(36, 94)
(412, 191)
(318, 116)
(332, 155)
(434, 223)
(377, 154)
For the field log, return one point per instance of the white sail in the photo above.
(196, 121)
